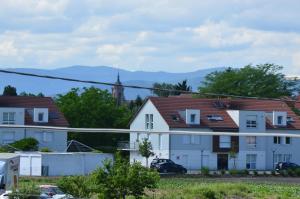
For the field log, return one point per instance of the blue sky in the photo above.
(167, 35)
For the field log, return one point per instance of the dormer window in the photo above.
(41, 117)
(193, 118)
(279, 120)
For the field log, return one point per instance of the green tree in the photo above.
(114, 180)
(264, 80)
(94, 108)
(138, 101)
(163, 93)
(134, 105)
(31, 94)
(9, 91)
(182, 86)
(145, 149)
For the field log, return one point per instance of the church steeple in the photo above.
(118, 91)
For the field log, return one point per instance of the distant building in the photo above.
(37, 111)
(118, 92)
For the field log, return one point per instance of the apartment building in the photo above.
(37, 111)
(217, 115)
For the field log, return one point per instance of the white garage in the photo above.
(60, 164)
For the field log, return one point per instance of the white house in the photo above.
(213, 115)
(38, 111)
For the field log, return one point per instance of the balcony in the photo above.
(128, 146)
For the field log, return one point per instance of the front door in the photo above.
(222, 161)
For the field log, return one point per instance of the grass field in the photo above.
(210, 188)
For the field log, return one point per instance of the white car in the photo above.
(52, 191)
(5, 195)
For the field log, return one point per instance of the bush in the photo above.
(273, 173)
(45, 149)
(78, 186)
(116, 180)
(204, 171)
(5, 149)
(233, 172)
(28, 190)
(255, 173)
(245, 172)
(223, 172)
(26, 144)
(292, 172)
(297, 171)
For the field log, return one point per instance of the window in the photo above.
(225, 141)
(195, 139)
(9, 118)
(279, 120)
(8, 137)
(282, 158)
(149, 121)
(251, 140)
(287, 140)
(186, 139)
(251, 161)
(193, 118)
(251, 121)
(41, 117)
(277, 140)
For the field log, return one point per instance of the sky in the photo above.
(163, 35)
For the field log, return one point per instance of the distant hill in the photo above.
(100, 73)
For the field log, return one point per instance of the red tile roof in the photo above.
(56, 118)
(172, 105)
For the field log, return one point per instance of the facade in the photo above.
(217, 115)
(37, 111)
(118, 92)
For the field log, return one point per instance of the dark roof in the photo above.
(56, 118)
(170, 106)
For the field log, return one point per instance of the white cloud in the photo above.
(149, 35)
(8, 49)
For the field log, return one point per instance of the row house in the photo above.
(36, 111)
(217, 115)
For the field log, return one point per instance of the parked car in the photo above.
(157, 161)
(51, 191)
(167, 166)
(5, 195)
(285, 166)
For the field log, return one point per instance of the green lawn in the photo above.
(198, 188)
(210, 188)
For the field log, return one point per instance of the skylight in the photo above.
(215, 118)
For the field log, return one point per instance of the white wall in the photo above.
(61, 164)
(159, 124)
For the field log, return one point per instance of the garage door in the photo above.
(30, 165)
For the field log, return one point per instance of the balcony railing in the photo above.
(128, 146)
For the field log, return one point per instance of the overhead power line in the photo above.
(111, 130)
(137, 87)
